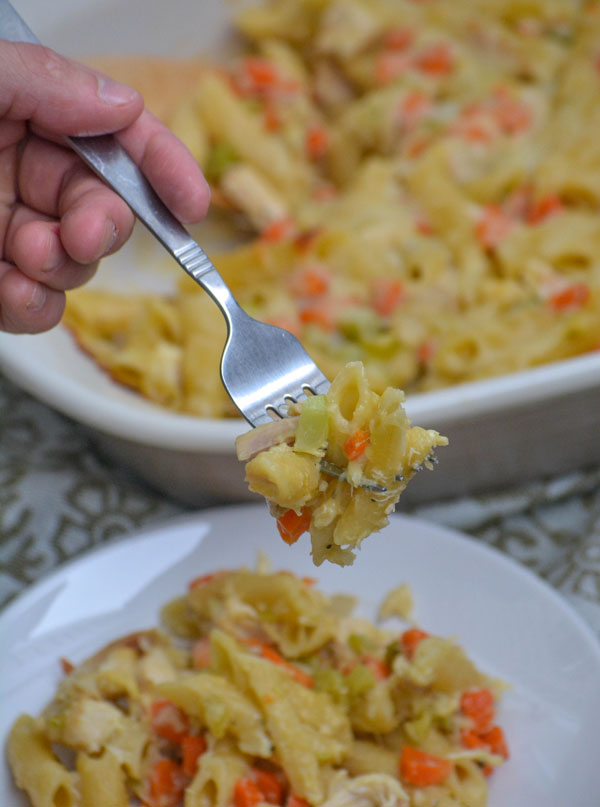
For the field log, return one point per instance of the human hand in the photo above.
(57, 219)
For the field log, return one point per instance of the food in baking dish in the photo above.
(423, 181)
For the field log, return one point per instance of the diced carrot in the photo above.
(271, 117)
(493, 226)
(417, 145)
(311, 280)
(496, 741)
(66, 666)
(320, 312)
(389, 64)
(192, 748)
(295, 801)
(471, 739)
(423, 225)
(398, 38)
(308, 581)
(355, 445)
(259, 74)
(246, 793)
(168, 721)
(414, 107)
(324, 192)
(436, 59)
(279, 230)
(426, 351)
(316, 142)
(201, 653)
(386, 295)
(292, 525)
(201, 580)
(422, 769)
(511, 114)
(410, 639)
(571, 297)
(305, 239)
(166, 783)
(296, 673)
(517, 204)
(269, 785)
(545, 207)
(270, 654)
(379, 668)
(479, 706)
(476, 131)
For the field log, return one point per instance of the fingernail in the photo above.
(110, 236)
(111, 92)
(39, 295)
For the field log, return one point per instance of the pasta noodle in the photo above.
(424, 182)
(341, 473)
(225, 708)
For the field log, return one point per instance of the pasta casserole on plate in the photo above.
(261, 689)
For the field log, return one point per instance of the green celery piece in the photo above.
(313, 426)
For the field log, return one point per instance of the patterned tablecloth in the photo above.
(58, 498)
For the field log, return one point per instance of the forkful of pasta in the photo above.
(332, 460)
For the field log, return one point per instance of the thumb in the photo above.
(60, 95)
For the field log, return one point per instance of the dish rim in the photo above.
(138, 420)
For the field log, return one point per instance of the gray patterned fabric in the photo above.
(58, 498)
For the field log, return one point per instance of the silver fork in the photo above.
(263, 368)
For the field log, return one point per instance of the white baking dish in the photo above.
(502, 431)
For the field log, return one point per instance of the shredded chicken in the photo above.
(370, 790)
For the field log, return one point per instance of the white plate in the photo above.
(512, 625)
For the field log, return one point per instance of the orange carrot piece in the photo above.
(292, 525)
(312, 280)
(410, 639)
(390, 64)
(269, 785)
(166, 783)
(398, 38)
(571, 297)
(246, 793)
(279, 230)
(270, 654)
(355, 445)
(316, 142)
(192, 748)
(549, 205)
(168, 720)
(421, 769)
(296, 673)
(201, 653)
(496, 740)
(493, 226)
(436, 59)
(479, 705)
(379, 668)
(387, 294)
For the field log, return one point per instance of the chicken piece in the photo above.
(370, 790)
(253, 195)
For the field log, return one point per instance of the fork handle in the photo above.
(109, 160)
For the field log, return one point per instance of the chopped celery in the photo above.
(360, 680)
(220, 157)
(332, 682)
(360, 643)
(313, 426)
